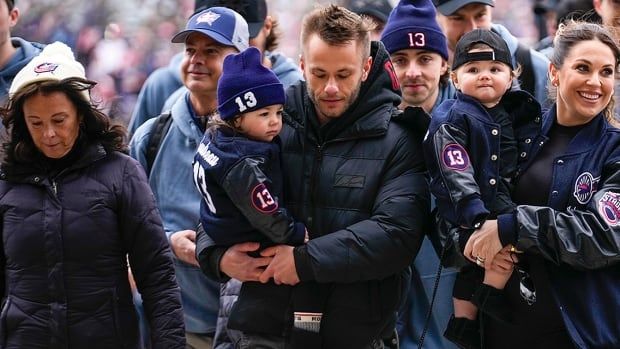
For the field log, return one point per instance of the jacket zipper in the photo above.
(54, 187)
(318, 158)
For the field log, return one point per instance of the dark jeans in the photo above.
(253, 341)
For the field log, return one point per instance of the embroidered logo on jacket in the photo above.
(455, 157)
(262, 199)
(349, 181)
(609, 208)
(585, 186)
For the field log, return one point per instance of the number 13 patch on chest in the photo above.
(262, 199)
(455, 157)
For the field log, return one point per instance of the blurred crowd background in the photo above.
(122, 41)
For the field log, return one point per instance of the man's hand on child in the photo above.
(282, 267)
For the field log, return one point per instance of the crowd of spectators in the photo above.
(120, 42)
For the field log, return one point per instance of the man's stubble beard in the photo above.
(352, 98)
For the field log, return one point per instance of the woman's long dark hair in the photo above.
(95, 126)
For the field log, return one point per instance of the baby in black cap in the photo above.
(473, 148)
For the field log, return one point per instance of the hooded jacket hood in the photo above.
(25, 52)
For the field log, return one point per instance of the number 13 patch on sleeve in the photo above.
(262, 199)
(455, 157)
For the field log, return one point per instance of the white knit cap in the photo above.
(55, 62)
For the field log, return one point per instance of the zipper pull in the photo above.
(319, 155)
(54, 187)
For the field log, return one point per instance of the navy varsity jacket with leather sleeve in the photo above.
(241, 184)
(462, 152)
(579, 232)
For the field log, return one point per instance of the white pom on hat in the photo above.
(55, 62)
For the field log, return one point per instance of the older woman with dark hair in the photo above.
(565, 289)
(74, 209)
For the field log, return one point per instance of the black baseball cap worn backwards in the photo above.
(499, 53)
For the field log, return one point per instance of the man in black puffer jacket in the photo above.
(354, 174)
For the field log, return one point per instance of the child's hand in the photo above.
(500, 269)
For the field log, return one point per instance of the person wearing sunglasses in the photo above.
(565, 289)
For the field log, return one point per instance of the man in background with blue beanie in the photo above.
(419, 53)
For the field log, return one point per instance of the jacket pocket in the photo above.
(125, 320)
(116, 318)
(26, 324)
(261, 308)
(3, 330)
(95, 320)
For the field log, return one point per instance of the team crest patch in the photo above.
(45, 68)
(262, 199)
(455, 157)
(609, 208)
(585, 186)
(208, 18)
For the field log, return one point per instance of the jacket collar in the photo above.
(183, 120)
(588, 137)
(33, 172)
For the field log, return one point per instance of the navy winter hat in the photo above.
(500, 51)
(412, 25)
(220, 24)
(246, 85)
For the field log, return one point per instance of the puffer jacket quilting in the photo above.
(66, 242)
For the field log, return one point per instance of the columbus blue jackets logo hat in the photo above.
(55, 62)
(246, 85)
(448, 7)
(412, 25)
(500, 52)
(220, 24)
(253, 11)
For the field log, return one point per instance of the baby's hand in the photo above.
(498, 273)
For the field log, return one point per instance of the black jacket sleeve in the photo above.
(385, 243)
(209, 255)
(150, 259)
(455, 182)
(251, 191)
(586, 238)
